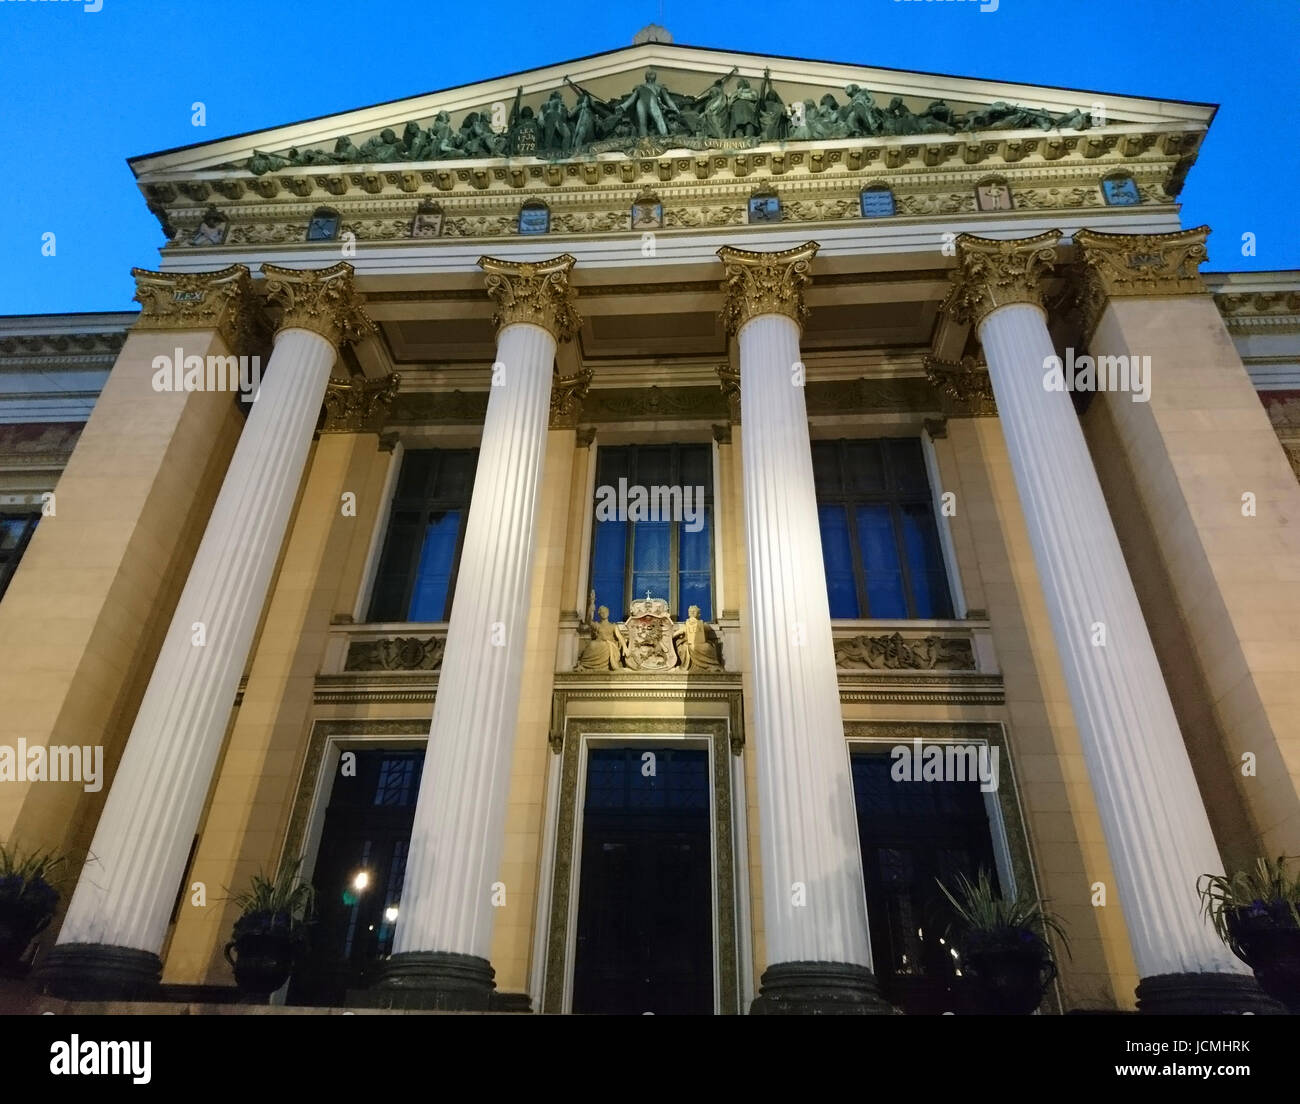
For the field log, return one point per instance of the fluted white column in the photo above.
(1156, 828)
(130, 880)
(814, 906)
(458, 836)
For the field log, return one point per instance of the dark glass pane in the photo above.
(693, 552)
(654, 466)
(838, 558)
(924, 563)
(865, 467)
(826, 467)
(695, 465)
(608, 565)
(11, 532)
(880, 564)
(455, 476)
(391, 583)
(433, 576)
(611, 463)
(907, 465)
(414, 476)
(650, 547)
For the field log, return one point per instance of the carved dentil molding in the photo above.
(1137, 266)
(992, 274)
(221, 301)
(323, 300)
(537, 293)
(358, 405)
(760, 283)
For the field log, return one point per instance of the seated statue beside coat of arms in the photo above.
(649, 640)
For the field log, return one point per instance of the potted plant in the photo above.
(270, 934)
(27, 900)
(1002, 946)
(1257, 914)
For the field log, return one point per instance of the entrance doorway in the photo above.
(645, 900)
(358, 875)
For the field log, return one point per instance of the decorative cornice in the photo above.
(567, 394)
(964, 385)
(992, 274)
(1137, 266)
(760, 283)
(358, 405)
(323, 300)
(220, 301)
(538, 293)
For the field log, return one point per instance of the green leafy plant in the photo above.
(1268, 895)
(987, 916)
(282, 904)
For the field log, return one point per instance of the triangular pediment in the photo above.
(508, 118)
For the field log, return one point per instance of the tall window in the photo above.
(426, 527)
(879, 540)
(15, 532)
(653, 510)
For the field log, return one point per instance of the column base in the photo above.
(1204, 995)
(441, 980)
(99, 971)
(819, 989)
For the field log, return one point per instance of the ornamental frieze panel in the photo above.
(396, 653)
(894, 652)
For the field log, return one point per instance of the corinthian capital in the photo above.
(538, 293)
(992, 274)
(222, 301)
(323, 300)
(358, 406)
(1137, 265)
(765, 283)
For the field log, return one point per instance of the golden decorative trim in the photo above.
(538, 293)
(729, 379)
(760, 283)
(567, 393)
(992, 274)
(964, 385)
(358, 405)
(1137, 265)
(323, 300)
(222, 301)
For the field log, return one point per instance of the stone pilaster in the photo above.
(80, 624)
(1207, 474)
(444, 934)
(117, 919)
(814, 906)
(1155, 824)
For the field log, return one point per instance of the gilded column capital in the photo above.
(535, 292)
(567, 393)
(729, 381)
(1137, 266)
(323, 300)
(991, 273)
(358, 405)
(765, 283)
(222, 301)
(964, 387)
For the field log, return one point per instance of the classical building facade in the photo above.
(549, 512)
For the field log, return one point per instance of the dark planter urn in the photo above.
(1008, 973)
(25, 911)
(263, 958)
(1267, 939)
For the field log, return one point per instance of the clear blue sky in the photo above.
(83, 91)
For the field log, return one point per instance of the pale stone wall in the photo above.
(86, 612)
(1202, 442)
